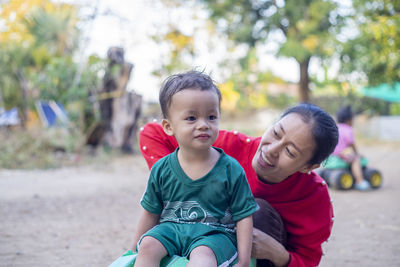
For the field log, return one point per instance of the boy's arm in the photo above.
(244, 231)
(147, 221)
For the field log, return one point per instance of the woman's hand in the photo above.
(266, 247)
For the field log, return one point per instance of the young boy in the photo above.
(197, 195)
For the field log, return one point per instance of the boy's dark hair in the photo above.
(178, 82)
(344, 114)
(324, 129)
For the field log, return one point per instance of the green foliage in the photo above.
(40, 65)
(181, 47)
(56, 80)
(369, 106)
(248, 89)
(395, 109)
(375, 49)
(331, 94)
(309, 27)
(55, 32)
(43, 68)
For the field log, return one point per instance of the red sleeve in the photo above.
(309, 251)
(155, 143)
(239, 146)
(314, 225)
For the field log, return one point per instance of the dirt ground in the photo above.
(86, 216)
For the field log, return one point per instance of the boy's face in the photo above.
(193, 118)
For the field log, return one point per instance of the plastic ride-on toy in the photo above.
(337, 174)
(129, 258)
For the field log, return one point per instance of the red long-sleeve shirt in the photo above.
(302, 200)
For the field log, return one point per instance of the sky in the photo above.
(129, 23)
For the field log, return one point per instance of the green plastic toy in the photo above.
(129, 258)
(337, 173)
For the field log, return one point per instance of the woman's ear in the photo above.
(167, 127)
(309, 168)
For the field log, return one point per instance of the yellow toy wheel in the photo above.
(346, 181)
(341, 179)
(374, 177)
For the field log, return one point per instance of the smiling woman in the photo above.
(284, 149)
(278, 168)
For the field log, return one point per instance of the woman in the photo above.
(278, 167)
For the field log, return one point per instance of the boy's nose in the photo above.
(202, 124)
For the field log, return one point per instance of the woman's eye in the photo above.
(289, 153)
(275, 133)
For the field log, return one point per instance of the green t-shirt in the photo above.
(218, 199)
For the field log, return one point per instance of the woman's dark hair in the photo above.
(178, 82)
(344, 114)
(324, 129)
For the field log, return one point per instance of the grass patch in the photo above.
(46, 149)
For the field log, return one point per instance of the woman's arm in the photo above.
(266, 247)
(155, 144)
(244, 238)
(308, 219)
(147, 221)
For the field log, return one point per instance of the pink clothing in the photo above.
(346, 138)
(302, 199)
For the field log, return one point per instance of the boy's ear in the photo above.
(167, 127)
(309, 168)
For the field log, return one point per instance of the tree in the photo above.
(37, 46)
(309, 28)
(180, 47)
(374, 49)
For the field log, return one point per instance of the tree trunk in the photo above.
(24, 89)
(120, 110)
(304, 90)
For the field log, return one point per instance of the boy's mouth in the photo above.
(203, 136)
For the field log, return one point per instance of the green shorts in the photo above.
(181, 239)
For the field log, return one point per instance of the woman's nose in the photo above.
(274, 148)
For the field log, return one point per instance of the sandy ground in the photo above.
(86, 216)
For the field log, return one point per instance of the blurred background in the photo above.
(80, 77)
(77, 75)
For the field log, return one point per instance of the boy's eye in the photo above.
(191, 118)
(212, 117)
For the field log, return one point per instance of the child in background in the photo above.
(198, 203)
(346, 147)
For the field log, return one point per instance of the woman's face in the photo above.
(285, 148)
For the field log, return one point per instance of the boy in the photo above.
(197, 194)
